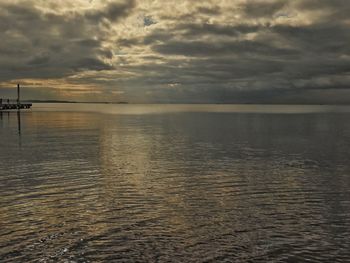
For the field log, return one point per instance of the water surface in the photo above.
(175, 183)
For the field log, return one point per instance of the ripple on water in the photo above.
(184, 187)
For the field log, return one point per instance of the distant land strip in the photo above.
(177, 102)
(66, 101)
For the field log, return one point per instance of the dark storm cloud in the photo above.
(201, 75)
(282, 60)
(189, 31)
(326, 37)
(39, 60)
(211, 51)
(335, 5)
(88, 43)
(223, 48)
(91, 64)
(128, 42)
(113, 11)
(214, 10)
(56, 44)
(192, 29)
(257, 9)
(158, 36)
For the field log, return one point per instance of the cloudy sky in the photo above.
(208, 51)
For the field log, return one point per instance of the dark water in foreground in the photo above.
(133, 183)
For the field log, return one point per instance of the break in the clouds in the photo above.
(223, 51)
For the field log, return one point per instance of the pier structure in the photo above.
(14, 104)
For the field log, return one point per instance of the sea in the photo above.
(175, 183)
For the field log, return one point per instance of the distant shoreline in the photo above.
(80, 102)
(179, 103)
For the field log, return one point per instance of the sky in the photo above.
(183, 51)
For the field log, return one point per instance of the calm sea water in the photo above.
(175, 183)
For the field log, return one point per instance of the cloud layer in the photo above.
(223, 51)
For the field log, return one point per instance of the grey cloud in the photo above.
(24, 11)
(63, 43)
(106, 53)
(113, 11)
(214, 10)
(257, 9)
(158, 36)
(325, 37)
(271, 66)
(330, 10)
(322, 4)
(187, 56)
(91, 64)
(128, 42)
(39, 60)
(223, 48)
(192, 29)
(88, 42)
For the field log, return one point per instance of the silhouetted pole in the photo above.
(18, 95)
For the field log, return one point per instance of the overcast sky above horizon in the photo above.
(209, 51)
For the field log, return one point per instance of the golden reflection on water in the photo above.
(184, 186)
